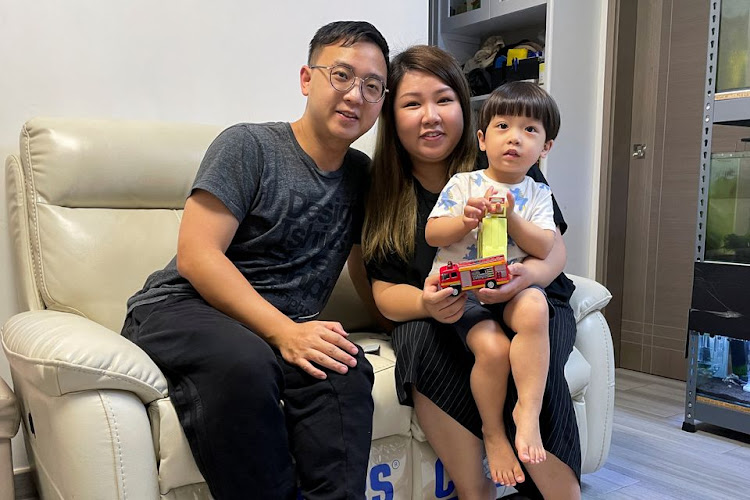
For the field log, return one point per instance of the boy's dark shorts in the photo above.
(475, 312)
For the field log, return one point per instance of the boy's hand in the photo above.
(473, 212)
(440, 303)
(510, 214)
(476, 208)
(510, 203)
(321, 342)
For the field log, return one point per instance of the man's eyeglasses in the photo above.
(342, 78)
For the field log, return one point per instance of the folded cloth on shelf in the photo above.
(485, 56)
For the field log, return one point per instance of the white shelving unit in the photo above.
(495, 16)
(462, 34)
(574, 35)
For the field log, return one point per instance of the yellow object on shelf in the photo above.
(541, 74)
(516, 54)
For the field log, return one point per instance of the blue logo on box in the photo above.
(443, 490)
(379, 483)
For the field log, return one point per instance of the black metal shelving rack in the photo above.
(720, 300)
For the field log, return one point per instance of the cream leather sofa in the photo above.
(94, 207)
(9, 419)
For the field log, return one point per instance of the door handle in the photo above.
(639, 151)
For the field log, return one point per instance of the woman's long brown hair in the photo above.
(391, 215)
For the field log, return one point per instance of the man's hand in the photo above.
(520, 280)
(441, 304)
(321, 342)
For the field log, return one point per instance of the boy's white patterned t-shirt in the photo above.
(533, 202)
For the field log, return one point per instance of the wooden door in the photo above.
(649, 231)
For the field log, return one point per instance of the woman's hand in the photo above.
(520, 279)
(440, 303)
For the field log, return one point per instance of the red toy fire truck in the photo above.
(470, 274)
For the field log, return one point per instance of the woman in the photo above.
(425, 136)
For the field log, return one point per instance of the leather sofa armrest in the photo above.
(588, 297)
(61, 352)
(594, 342)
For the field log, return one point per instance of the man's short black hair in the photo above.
(521, 99)
(346, 34)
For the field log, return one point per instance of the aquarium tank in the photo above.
(722, 369)
(733, 71)
(728, 214)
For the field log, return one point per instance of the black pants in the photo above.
(226, 384)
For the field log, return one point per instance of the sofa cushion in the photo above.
(390, 417)
(126, 164)
(85, 257)
(83, 235)
(345, 306)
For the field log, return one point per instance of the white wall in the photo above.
(215, 62)
(576, 80)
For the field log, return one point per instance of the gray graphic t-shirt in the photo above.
(297, 222)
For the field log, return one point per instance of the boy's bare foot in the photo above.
(528, 438)
(504, 468)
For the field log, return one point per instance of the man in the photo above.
(274, 211)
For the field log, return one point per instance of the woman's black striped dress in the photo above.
(431, 358)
